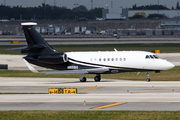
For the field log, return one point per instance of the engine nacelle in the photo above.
(58, 58)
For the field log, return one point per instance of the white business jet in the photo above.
(42, 54)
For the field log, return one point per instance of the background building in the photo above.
(173, 23)
(116, 13)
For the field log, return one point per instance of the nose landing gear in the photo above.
(148, 76)
(82, 78)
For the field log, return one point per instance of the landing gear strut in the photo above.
(82, 78)
(148, 75)
(97, 78)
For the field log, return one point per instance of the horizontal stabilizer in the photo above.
(29, 24)
(19, 48)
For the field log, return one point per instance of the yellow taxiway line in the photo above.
(156, 91)
(88, 88)
(109, 105)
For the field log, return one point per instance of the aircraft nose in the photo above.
(169, 65)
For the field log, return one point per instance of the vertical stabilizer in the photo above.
(40, 52)
(35, 41)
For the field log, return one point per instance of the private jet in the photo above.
(40, 53)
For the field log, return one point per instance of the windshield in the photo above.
(152, 57)
(156, 57)
(147, 57)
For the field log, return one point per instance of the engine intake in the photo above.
(58, 58)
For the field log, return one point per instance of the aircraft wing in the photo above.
(81, 71)
(85, 71)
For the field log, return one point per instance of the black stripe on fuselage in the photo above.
(112, 67)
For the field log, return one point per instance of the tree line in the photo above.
(154, 7)
(149, 7)
(47, 11)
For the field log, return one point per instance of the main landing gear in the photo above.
(96, 79)
(148, 75)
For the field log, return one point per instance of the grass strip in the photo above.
(167, 75)
(34, 93)
(90, 115)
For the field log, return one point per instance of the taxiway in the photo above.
(118, 94)
(32, 93)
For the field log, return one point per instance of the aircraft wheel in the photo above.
(148, 80)
(97, 79)
(83, 79)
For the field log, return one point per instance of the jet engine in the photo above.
(58, 58)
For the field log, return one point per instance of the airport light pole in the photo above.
(91, 4)
(158, 7)
(76, 4)
(4, 2)
(44, 9)
(106, 6)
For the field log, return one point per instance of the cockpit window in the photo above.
(147, 57)
(155, 56)
(151, 56)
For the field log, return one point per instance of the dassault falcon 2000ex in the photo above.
(42, 54)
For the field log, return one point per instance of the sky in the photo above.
(87, 3)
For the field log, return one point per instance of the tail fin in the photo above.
(35, 41)
(40, 52)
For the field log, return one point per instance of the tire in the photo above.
(148, 80)
(97, 79)
(83, 79)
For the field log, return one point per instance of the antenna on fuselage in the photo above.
(115, 49)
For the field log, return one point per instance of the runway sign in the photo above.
(155, 51)
(62, 90)
(15, 42)
(53, 91)
(70, 91)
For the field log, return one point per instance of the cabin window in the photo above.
(91, 59)
(104, 59)
(112, 59)
(108, 59)
(124, 59)
(120, 59)
(94, 59)
(99, 59)
(116, 59)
